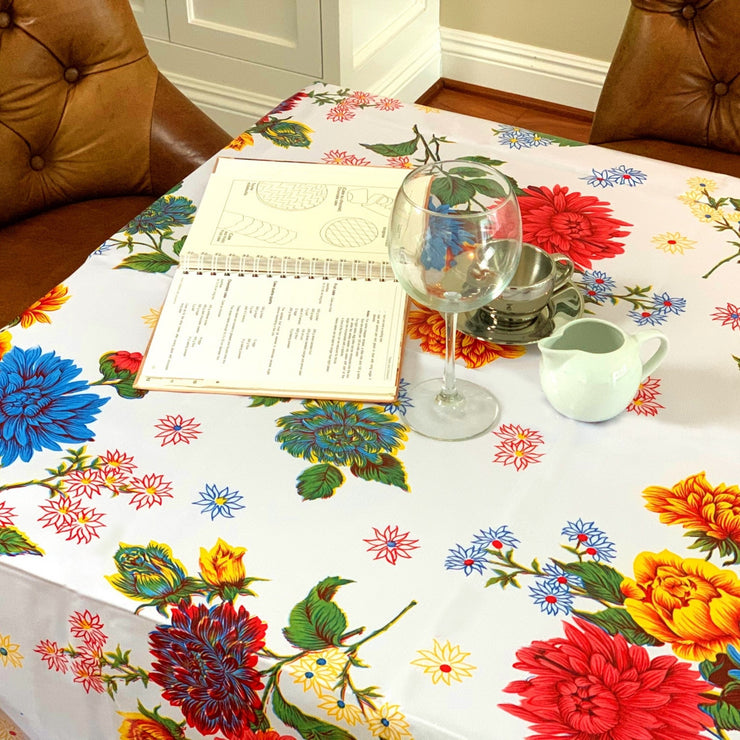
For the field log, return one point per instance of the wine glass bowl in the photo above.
(454, 241)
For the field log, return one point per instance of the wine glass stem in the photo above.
(449, 395)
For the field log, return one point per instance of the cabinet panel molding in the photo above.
(285, 34)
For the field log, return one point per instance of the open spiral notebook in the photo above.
(284, 287)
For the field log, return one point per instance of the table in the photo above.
(202, 566)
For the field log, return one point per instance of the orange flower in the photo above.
(5, 342)
(696, 505)
(241, 141)
(429, 326)
(52, 301)
(689, 603)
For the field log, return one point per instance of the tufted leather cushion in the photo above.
(675, 77)
(78, 98)
(90, 134)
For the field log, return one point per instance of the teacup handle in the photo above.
(657, 357)
(563, 269)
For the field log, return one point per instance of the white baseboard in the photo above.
(474, 58)
(532, 71)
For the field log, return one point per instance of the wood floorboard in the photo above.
(509, 109)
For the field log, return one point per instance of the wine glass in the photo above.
(454, 240)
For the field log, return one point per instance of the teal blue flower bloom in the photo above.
(151, 574)
(340, 433)
(41, 404)
(162, 216)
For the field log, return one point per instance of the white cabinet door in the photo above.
(151, 15)
(284, 34)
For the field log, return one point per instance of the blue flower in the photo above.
(557, 576)
(445, 234)
(520, 138)
(495, 539)
(665, 304)
(598, 281)
(648, 318)
(551, 598)
(580, 531)
(624, 175)
(218, 502)
(41, 405)
(468, 559)
(600, 548)
(162, 216)
(598, 179)
(341, 433)
(403, 401)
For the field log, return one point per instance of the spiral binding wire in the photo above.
(232, 264)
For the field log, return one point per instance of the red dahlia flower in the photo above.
(580, 226)
(590, 685)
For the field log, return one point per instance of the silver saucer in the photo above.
(565, 305)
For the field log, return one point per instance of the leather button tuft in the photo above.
(688, 11)
(71, 74)
(720, 88)
(37, 163)
(5, 19)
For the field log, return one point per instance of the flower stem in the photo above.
(384, 628)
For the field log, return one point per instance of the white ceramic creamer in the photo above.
(590, 369)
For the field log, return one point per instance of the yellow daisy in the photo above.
(702, 183)
(340, 710)
(706, 213)
(319, 670)
(692, 196)
(151, 318)
(9, 652)
(672, 242)
(426, 108)
(388, 722)
(445, 662)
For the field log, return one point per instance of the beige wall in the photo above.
(587, 28)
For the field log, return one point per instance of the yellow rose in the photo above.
(222, 566)
(138, 727)
(686, 602)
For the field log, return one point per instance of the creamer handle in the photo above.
(659, 355)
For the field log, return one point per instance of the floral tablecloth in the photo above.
(199, 566)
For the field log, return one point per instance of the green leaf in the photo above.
(402, 149)
(488, 187)
(618, 621)
(452, 190)
(266, 401)
(14, 542)
(735, 203)
(178, 245)
(389, 470)
(319, 481)
(125, 389)
(467, 172)
(600, 581)
(310, 728)
(317, 622)
(725, 716)
(483, 160)
(147, 262)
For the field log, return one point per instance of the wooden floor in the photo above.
(507, 108)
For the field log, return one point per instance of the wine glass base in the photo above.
(472, 412)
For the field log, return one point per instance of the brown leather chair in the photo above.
(673, 88)
(90, 134)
